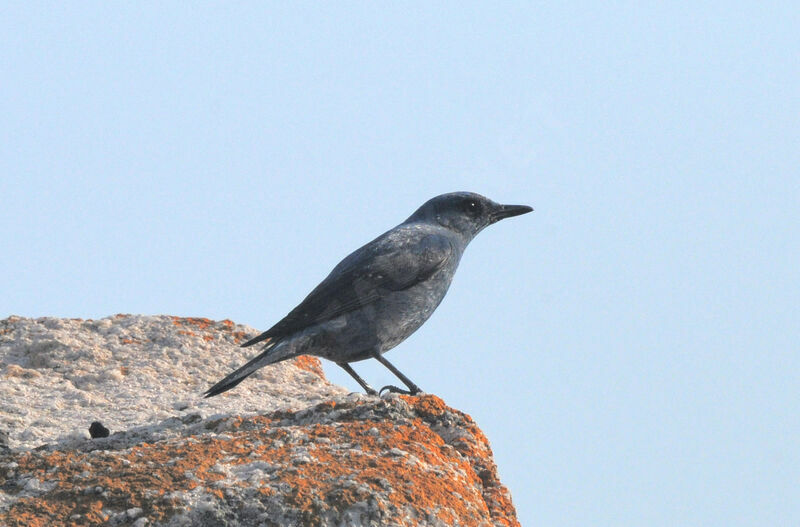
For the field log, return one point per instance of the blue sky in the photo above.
(630, 348)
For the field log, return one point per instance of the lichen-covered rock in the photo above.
(264, 454)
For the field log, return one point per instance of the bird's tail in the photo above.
(270, 355)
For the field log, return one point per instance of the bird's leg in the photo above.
(413, 389)
(367, 388)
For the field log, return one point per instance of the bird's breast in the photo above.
(400, 314)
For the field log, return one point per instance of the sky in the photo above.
(630, 348)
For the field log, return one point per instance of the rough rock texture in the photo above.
(285, 448)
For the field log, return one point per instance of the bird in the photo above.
(381, 293)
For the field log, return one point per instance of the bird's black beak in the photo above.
(506, 211)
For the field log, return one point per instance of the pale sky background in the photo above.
(631, 348)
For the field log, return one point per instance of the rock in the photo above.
(98, 430)
(323, 457)
(3, 440)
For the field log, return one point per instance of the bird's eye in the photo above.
(472, 207)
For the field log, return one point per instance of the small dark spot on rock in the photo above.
(191, 418)
(487, 478)
(98, 430)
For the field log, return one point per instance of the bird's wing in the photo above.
(395, 261)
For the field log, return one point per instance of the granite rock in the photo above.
(287, 449)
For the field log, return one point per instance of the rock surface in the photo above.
(286, 448)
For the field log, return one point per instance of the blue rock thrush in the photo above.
(381, 293)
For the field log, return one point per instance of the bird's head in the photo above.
(466, 213)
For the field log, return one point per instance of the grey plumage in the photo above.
(381, 293)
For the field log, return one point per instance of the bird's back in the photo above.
(375, 297)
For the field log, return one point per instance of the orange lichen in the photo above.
(201, 323)
(238, 336)
(310, 364)
(426, 405)
(190, 325)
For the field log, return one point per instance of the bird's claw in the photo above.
(394, 389)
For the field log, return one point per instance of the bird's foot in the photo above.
(394, 389)
(371, 391)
